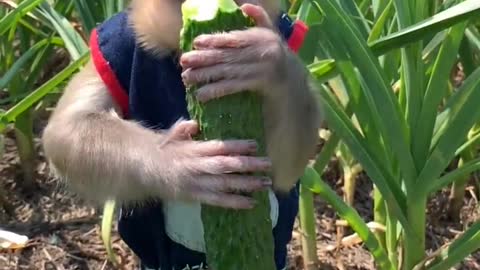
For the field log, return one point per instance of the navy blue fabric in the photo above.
(156, 100)
(117, 44)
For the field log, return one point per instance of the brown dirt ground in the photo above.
(64, 230)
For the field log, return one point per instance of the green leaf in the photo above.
(471, 141)
(380, 99)
(465, 169)
(323, 70)
(25, 58)
(462, 112)
(459, 249)
(85, 13)
(2, 145)
(436, 41)
(385, 182)
(74, 43)
(45, 89)
(456, 14)
(473, 36)
(436, 91)
(350, 215)
(328, 150)
(380, 23)
(309, 16)
(351, 8)
(107, 221)
(12, 18)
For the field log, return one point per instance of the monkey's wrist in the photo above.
(160, 172)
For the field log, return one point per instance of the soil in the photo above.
(64, 230)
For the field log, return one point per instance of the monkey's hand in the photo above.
(102, 156)
(227, 63)
(210, 171)
(257, 59)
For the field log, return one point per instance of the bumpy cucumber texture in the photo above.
(235, 240)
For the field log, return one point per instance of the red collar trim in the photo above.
(300, 30)
(108, 76)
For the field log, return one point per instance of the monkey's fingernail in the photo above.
(185, 78)
(252, 146)
(202, 97)
(266, 161)
(200, 41)
(267, 182)
(185, 61)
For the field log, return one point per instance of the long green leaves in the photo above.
(404, 140)
(466, 244)
(380, 98)
(74, 43)
(411, 33)
(462, 113)
(312, 179)
(435, 92)
(107, 220)
(13, 17)
(342, 125)
(23, 60)
(43, 90)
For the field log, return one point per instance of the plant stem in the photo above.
(26, 148)
(379, 215)
(350, 174)
(307, 225)
(415, 244)
(391, 239)
(457, 194)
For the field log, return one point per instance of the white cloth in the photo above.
(183, 222)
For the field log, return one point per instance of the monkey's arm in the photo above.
(103, 156)
(292, 118)
(92, 148)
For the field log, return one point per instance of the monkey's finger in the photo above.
(236, 38)
(235, 183)
(209, 57)
(196, 58)
(233, 39)
(258, 14)
(226, 87)
(225, 148)
(233, 164)
(223, 72)
(224, 200)
(183, 130)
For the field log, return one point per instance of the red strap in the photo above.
(108, 76)
(297, 37)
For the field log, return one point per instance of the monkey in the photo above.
(135, 145)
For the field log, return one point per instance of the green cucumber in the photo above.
(235, 239)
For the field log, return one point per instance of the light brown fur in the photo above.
(102, 156)
(157, 24)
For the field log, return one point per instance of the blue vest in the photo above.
(150, 91)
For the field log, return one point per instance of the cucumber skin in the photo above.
(235, 239)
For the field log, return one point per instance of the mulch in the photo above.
(64, 230)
